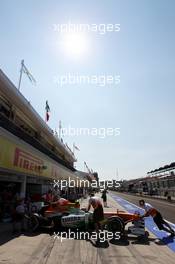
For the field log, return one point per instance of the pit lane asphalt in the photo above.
(167, 209)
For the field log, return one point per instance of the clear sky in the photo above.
(142, 53)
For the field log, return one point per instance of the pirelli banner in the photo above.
(18, 156)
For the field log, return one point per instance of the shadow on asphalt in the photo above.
(8, 236)
(120, 242)
(123, 241)
(126, 240)
(5, 237)
(104, 244)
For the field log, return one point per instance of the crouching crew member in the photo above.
(157, 217)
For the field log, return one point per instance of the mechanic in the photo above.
(104, 197)
(157, 217)
(19, 215)
(98, 214)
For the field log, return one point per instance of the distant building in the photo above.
(157, 182)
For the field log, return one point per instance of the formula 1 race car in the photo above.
(113, 221)
(69, 215)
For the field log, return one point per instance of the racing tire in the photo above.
(115, 224)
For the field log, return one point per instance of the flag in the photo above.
(75, 147)
(47, 111)
(26, 71)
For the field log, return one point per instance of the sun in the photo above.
(75, 45)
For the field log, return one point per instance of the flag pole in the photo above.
(60, 129)
(117, 174)
(20, 77)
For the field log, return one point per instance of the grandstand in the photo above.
(31, 156)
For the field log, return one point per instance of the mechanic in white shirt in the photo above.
(157, 217)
